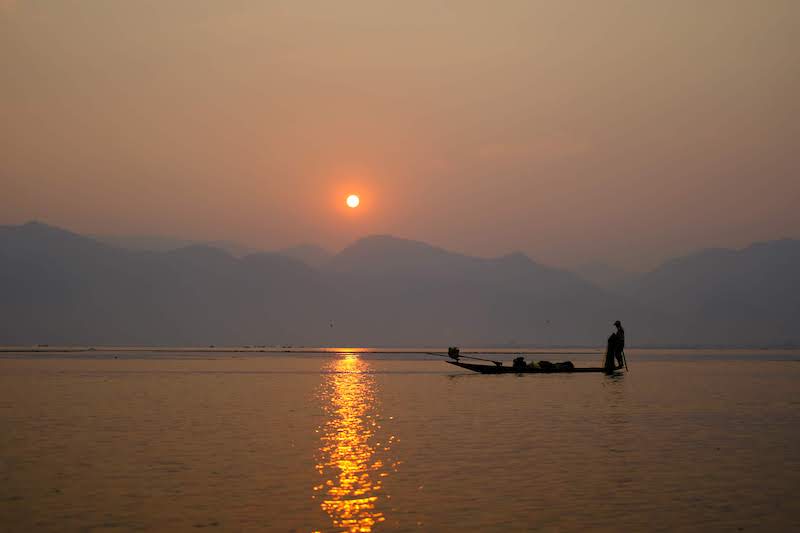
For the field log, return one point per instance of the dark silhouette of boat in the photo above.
(555, 369)
(520, 367)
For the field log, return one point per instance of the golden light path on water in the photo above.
(352, 457)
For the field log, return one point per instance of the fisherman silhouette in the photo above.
(616, 344)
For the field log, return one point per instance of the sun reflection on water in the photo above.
(352, 461)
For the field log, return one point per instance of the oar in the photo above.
(457, 357)
(625, 361)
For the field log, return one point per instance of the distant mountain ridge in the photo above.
(603, 275)
(155, 243)
(310, 254)
(750, 295)
(62, 288)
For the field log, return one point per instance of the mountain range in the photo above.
(59, 287)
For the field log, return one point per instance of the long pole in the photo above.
(498, 363)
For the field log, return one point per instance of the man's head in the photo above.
(618, 324)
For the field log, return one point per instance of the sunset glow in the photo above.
(569, 299)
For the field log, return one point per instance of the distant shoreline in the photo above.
(564, 350)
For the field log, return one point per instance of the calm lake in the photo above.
(120, 440)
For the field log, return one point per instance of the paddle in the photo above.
(457, 355)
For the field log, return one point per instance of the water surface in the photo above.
(323, 442)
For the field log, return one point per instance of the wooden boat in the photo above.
(499, 369)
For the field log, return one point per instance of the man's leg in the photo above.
(608, 364)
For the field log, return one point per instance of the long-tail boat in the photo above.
(499, 369)
(542, 367)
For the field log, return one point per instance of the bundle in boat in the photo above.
(566, 366)
(547, 365)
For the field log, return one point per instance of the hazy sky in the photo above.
(573, 131)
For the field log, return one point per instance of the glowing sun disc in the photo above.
(353, 201)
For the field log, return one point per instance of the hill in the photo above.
(748, 296)
(64, 288)
(310, 254)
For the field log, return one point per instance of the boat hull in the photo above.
(494, 369)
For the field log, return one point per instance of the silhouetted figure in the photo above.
(519, 363)
(616, 344)
(620, 344)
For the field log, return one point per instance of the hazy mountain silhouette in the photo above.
(417, 291)
(60, 287)
(157, 243)
(748, 296)
(310, 254)
(603, 275)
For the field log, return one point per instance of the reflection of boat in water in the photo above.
(352, 458)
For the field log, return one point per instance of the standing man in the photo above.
(620, 344)
(616, 343)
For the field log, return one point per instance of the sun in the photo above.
(353, 200)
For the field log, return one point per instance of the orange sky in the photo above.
(573, 131)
